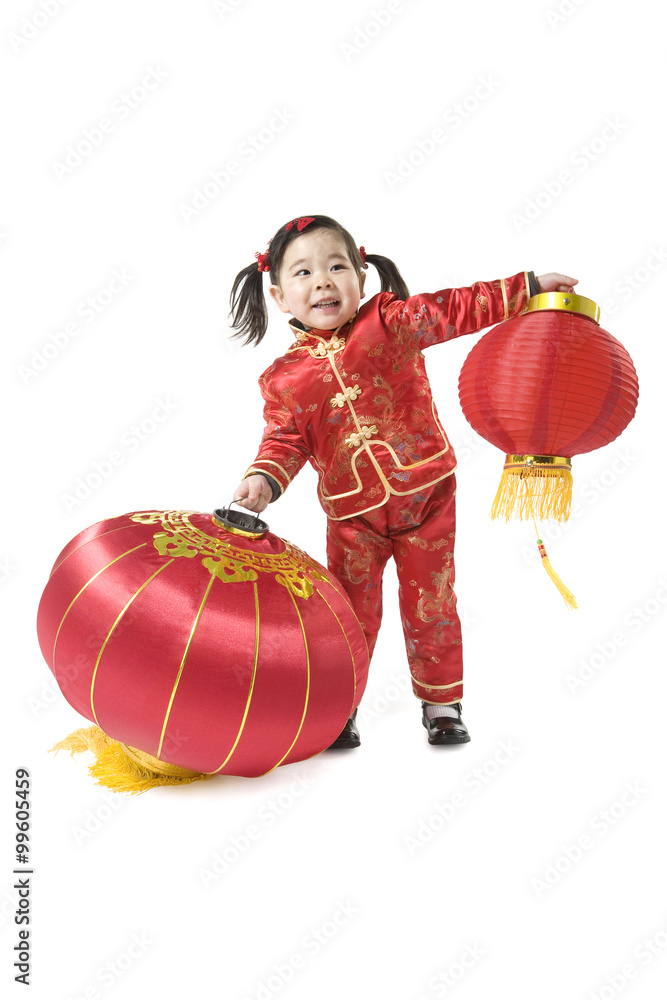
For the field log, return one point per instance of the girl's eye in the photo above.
(304, 270)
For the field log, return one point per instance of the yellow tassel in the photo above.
(566, 594)
(122, 768)
(526, 491)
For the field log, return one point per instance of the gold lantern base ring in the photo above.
(535, 487)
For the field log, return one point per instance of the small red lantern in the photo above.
(198, 645)
(544, 386)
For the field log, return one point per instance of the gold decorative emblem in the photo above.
(331, 346)
(351, 392)
(354, 440)
(229, 563)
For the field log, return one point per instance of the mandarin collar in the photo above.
(320, 335)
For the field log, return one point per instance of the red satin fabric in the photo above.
(548, 383)
(169, 658)
(403, 449)
(420, 535)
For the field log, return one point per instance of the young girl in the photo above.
(351, 396)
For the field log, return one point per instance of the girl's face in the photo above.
(318, 283)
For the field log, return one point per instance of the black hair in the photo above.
(248, 305)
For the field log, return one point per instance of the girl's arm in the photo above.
(282, 453)
(433, 318)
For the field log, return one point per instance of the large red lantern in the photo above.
(198, 645)
(544, 386)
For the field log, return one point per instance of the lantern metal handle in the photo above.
(240, 522)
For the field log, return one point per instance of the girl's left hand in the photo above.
(555, 282)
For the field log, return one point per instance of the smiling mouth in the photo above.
(327, 304)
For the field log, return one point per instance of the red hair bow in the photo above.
(263, 261)
(299, 223)
(362, 253)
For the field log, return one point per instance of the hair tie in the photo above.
(362, 253)
(263, 261)
(299, 223)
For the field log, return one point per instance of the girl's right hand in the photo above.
(254, 493)
(556, 282)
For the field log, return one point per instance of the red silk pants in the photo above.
(419, 531)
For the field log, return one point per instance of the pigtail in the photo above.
(249, 318)
(390, 276)
(248, 307)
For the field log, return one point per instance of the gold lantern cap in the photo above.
(567, 301)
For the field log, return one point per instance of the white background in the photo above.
(360, 95)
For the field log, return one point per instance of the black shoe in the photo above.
(349, 738)
(446, 731)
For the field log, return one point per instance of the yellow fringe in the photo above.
(125, 769)
(566, 594)
(544, 492)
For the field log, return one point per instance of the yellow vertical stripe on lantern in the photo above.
(305, 704)
(112, 630)
(354, 671)
(94, 538)
(77, 596)
(252, 685)
(180, 669)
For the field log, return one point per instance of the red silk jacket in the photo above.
(357, 404)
